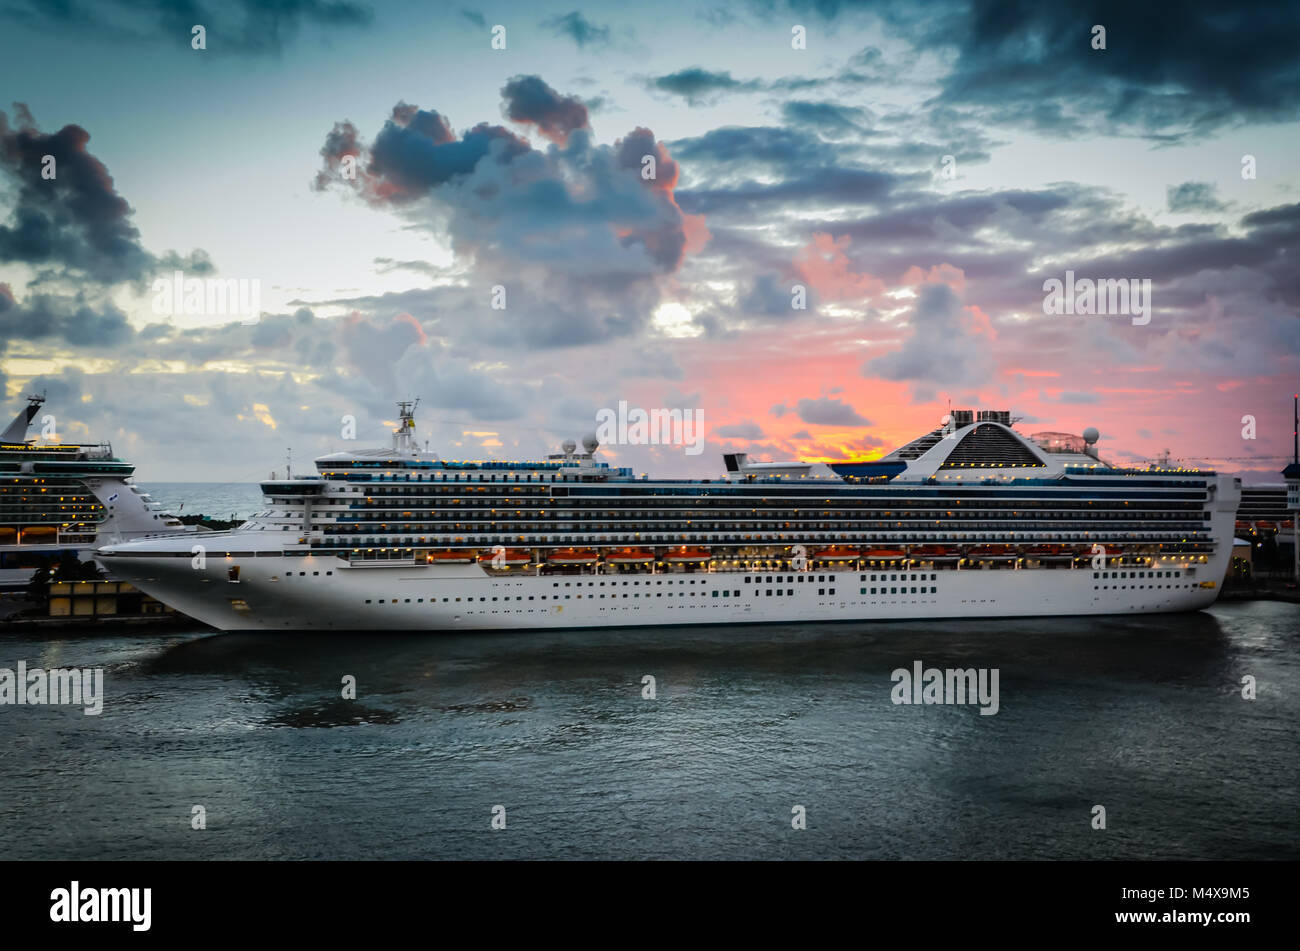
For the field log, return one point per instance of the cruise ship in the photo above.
(969, 520)
(57, 498)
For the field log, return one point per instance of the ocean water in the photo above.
(1142, 715)
(214, 499)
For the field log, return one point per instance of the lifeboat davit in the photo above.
(884, 553)
(449, 557)
(837, 553)
(513, 556)
(686, 555)
(629, 556)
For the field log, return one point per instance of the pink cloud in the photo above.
(823, 264)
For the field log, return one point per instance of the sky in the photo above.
(818, 225)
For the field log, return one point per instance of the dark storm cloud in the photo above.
(239, 26)
(728, 147)
(770, 295)
(72, 320)
(574, 236)
(823, 411)
(530, 101)
(1193, 196)
(75, 220)
(1165, 72)
(814, 186)
(415, 151)
(388, 265)
(579, 29)
(1282, 222)
(932, 218)
(697, 85)
(829, 117)
(746, 430)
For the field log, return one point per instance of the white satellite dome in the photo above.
(1090, 435)
(569, 445)
(590, 442)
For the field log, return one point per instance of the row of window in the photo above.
(1125, 587)
(646, 535)
(930, 502)
(400, 521)
(1136, 574)
(933, 590)
(824, 592)
(566, 597)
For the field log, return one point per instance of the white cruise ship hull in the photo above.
(969, 521)
(327, 594)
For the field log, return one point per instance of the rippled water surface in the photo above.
(1143, 715)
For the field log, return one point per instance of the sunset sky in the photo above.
(921, 169)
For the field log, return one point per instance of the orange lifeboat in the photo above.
(884, 553)
(629, 556)
(837, 553)
(513, 556)
(1267, 526)
(573, 556)
(449, 557)
(687, 555)
(992, 551)
(934, 551)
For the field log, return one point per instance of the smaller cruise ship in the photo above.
(66, 497)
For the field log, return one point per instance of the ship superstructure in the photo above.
(971, 519)
(65, 497)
